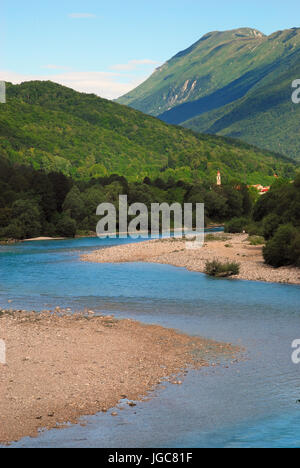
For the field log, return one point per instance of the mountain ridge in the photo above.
(219, 69)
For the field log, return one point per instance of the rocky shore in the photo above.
(61, 366)
(228, 247)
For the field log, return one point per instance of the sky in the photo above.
(109, 47)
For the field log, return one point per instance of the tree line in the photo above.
(34, 203)
(275, 217)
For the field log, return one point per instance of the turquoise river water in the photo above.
(251, 404)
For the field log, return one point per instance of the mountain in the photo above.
(54, 128)
(234, 83)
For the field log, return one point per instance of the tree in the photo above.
(236, 225)
(215, 205)
(270, 225)
(278, 250)
(66, 226)
(61, 185)
(13, 231)
(248, 200)
(42, 186)
(234, 201)
(295, 250)
(74, 204)
(28, 216)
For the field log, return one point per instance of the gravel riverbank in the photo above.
(232, 247)
(61, 366)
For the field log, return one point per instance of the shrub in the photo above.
(278, 250)
(222, 270)
(270, 225)
(13, 231)
(254, 229)
(236, 225)
(216, 238)
(256, 240)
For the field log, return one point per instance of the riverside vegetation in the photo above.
(276, 218)
(35, 203)
(222, 270)
(62, 153)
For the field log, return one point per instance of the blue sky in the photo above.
(108, 47)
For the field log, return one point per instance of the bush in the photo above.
(279, 250)
(270, 225)
(222, 270)
(236, 225)
(256, 240)
(216, 238)
(254, 229)
(13, 231)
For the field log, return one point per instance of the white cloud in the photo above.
(81, 15)
(133, 64)
(55, 67)
(108, 85)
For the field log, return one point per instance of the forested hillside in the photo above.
(50, 127)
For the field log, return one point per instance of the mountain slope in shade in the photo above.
(55, 128)
(234, 83)
(265, 116)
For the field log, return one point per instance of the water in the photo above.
(253, 403)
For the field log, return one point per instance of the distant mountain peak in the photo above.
(220, 37)
(244, 32)
(230, 83)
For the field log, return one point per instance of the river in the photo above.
(253, 403)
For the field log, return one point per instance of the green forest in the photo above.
(35, 203)
(53, 128)
(62, 153)
(276, 218)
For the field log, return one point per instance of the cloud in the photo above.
(55, 67)
(81, 15)
(133, 64)
(109, 85)
(104, 84)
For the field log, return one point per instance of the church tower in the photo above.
(219, 180)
